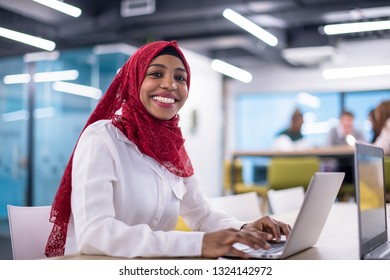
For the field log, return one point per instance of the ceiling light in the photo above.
(56, 76)
(343, 28)
(114, 48)
(77, 89)
(355, 72)
(308, 100)
(15, 116)
(16, 79)
(41, 56)
(27, 39)
(232, 71)
(308, 55)
(251, 27)
(61, 7)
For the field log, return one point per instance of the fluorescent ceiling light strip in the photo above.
(16, 79)
(56, 76)
(114, 48)
(232, 71)
(61, 7)
(308, 100)
(77, 89)
(27, 39)
(333, 29)
(45, 112)
(15, 116)
(250, 27)
(355, 72)
(41, 56)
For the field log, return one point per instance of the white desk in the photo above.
(338, 240)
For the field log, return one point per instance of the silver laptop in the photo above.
(370, 197)
(319, 199)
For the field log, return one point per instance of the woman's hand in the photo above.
(271, 226)
(220, 243)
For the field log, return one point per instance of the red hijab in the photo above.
(161, 140)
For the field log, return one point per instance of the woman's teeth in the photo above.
(164, 99)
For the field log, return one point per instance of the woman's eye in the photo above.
(155, 74)
(181, 78)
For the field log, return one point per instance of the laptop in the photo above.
(370, 197)
(319, 199)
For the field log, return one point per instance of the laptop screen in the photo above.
(370, 195)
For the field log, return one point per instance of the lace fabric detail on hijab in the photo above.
(161, 140)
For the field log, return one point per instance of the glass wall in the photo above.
(13, 136)
(58, 117)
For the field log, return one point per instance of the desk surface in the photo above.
(338, 240)
(339, 151)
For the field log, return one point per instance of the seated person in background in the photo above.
(342, 135)
(339, 135)
(374, 125)
(291, 138)
(382, 122)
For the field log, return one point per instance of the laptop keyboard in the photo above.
(275, 248)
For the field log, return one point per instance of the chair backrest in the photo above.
(228, 174)
(243, 206)
(286, 200)
(387, 172)
(290, 172)
(29, 229)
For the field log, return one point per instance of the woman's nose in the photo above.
(169, 84)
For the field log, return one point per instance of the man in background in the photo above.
(291, 138)
(344, 133)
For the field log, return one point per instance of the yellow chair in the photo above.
(240, 186)
(181, 225)
(288, 172)
(387, 177)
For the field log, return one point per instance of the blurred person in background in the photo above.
(344, 133)
(382, 123)
(374, 125)
(291, 138)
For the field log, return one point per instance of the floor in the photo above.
(5, 241)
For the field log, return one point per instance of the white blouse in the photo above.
(126, 204)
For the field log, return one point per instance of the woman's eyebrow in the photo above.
(163, 66)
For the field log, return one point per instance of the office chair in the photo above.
(387, 177)
(240, 186)
(243, 206)
(285, 200)
(288, 172)
(29, 229)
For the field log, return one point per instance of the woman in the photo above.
(382, 121)
(130, 177)
(374, 127)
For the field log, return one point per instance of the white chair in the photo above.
(244, 206)
(29, 228)
(285, 200)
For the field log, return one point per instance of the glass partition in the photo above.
(58, 118)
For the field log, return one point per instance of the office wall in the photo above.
(201, 122)
(283, 78)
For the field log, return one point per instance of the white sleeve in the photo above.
(97, 230)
